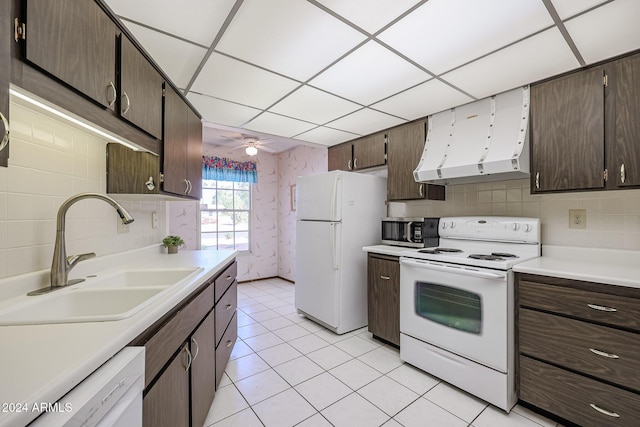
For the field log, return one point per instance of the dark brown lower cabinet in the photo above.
(383, 297)
(203, 371)
(167, 402)
(579, 352)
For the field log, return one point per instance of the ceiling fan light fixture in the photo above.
(251, 150)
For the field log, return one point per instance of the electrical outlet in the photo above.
(122, 228)
(154, 220)
(578, 218)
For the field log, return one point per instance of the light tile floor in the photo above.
(286, 370)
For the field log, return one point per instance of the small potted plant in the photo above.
(172, 243)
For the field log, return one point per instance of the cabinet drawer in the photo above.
(605, 353)
(608, 309)
(224, 349)
(571, 396)
(225, 279)
(163, 343)
(225, 309)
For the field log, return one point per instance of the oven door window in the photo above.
(449, 306)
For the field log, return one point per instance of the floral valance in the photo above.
(223, 169)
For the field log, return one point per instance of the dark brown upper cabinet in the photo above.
(405, 145)
(140, 89)
(182, 151)
(361, 153)
(75, 41)
(132, 172)
(623, 123)
(567, 132)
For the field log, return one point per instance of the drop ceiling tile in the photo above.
(198, 21)
(528, 61)
(326, 136)
(365, 121)
(314, 105)
(222, 112)
(278, 125)
(177, 58)
(232, 80)
(443, 34)
(568, 8)
(291, 37)
(369, 74)
(370, 15)
(422, 100)
(607, 31)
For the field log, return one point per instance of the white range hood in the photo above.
(485, 140)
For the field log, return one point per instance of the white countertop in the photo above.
(609, 266)
(40, 363)
(385, 249)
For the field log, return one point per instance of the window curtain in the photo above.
(223, 169)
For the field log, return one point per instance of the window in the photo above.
(225, 212)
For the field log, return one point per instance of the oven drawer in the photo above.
(578, 399)
(599, 307)
(602, 352)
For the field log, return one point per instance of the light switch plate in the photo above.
(578, 218)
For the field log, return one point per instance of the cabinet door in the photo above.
(140, 89)
(203, 369)
(623, 111)
(167, 402)
(405, 145)
(129, 171)
(383, 298)
(340, 157)
(75, 41)
(567, 132)
(5, 74)
(194, 154)
(174, 150)
(369, 151)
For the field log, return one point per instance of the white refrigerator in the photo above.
(337, 214)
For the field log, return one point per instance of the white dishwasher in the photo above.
(111, 396)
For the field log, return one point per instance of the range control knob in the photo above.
(527, 228)
(516, 226)
(443, 225)
(452, 225)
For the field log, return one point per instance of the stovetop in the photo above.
(491, 242)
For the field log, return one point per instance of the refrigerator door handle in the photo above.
(334, 252)
(334, 197)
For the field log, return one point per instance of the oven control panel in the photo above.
(493, 228)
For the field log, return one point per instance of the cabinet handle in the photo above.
(537, 180)
(189, 359)
(150, 184)
(355, 163)
(602, 308)
(349, 164)
(194, 342)
(111, 101)
(186, 186)
(603, 411)
(5, 138)
(190, 186)
(229, 306)
(623, 175)
(421, 190)
(385, 277)
(126, 110)
(603, 354)
(228, 277)
(229, 343)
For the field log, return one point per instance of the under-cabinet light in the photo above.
(67, 116)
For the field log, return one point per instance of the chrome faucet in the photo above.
(61, 264)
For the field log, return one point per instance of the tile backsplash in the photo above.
(50, 160)
(613, 217)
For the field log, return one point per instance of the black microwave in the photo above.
(410, 232)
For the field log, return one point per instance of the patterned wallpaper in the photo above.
(273, 223)
(296, 162)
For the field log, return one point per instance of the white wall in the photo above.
(51, 160)
(613, 217)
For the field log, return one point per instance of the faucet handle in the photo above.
(74, 259)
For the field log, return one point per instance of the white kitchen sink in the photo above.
(112, 296)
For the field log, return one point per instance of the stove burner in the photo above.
(486, 257)
(504, 255)
(435, 251)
